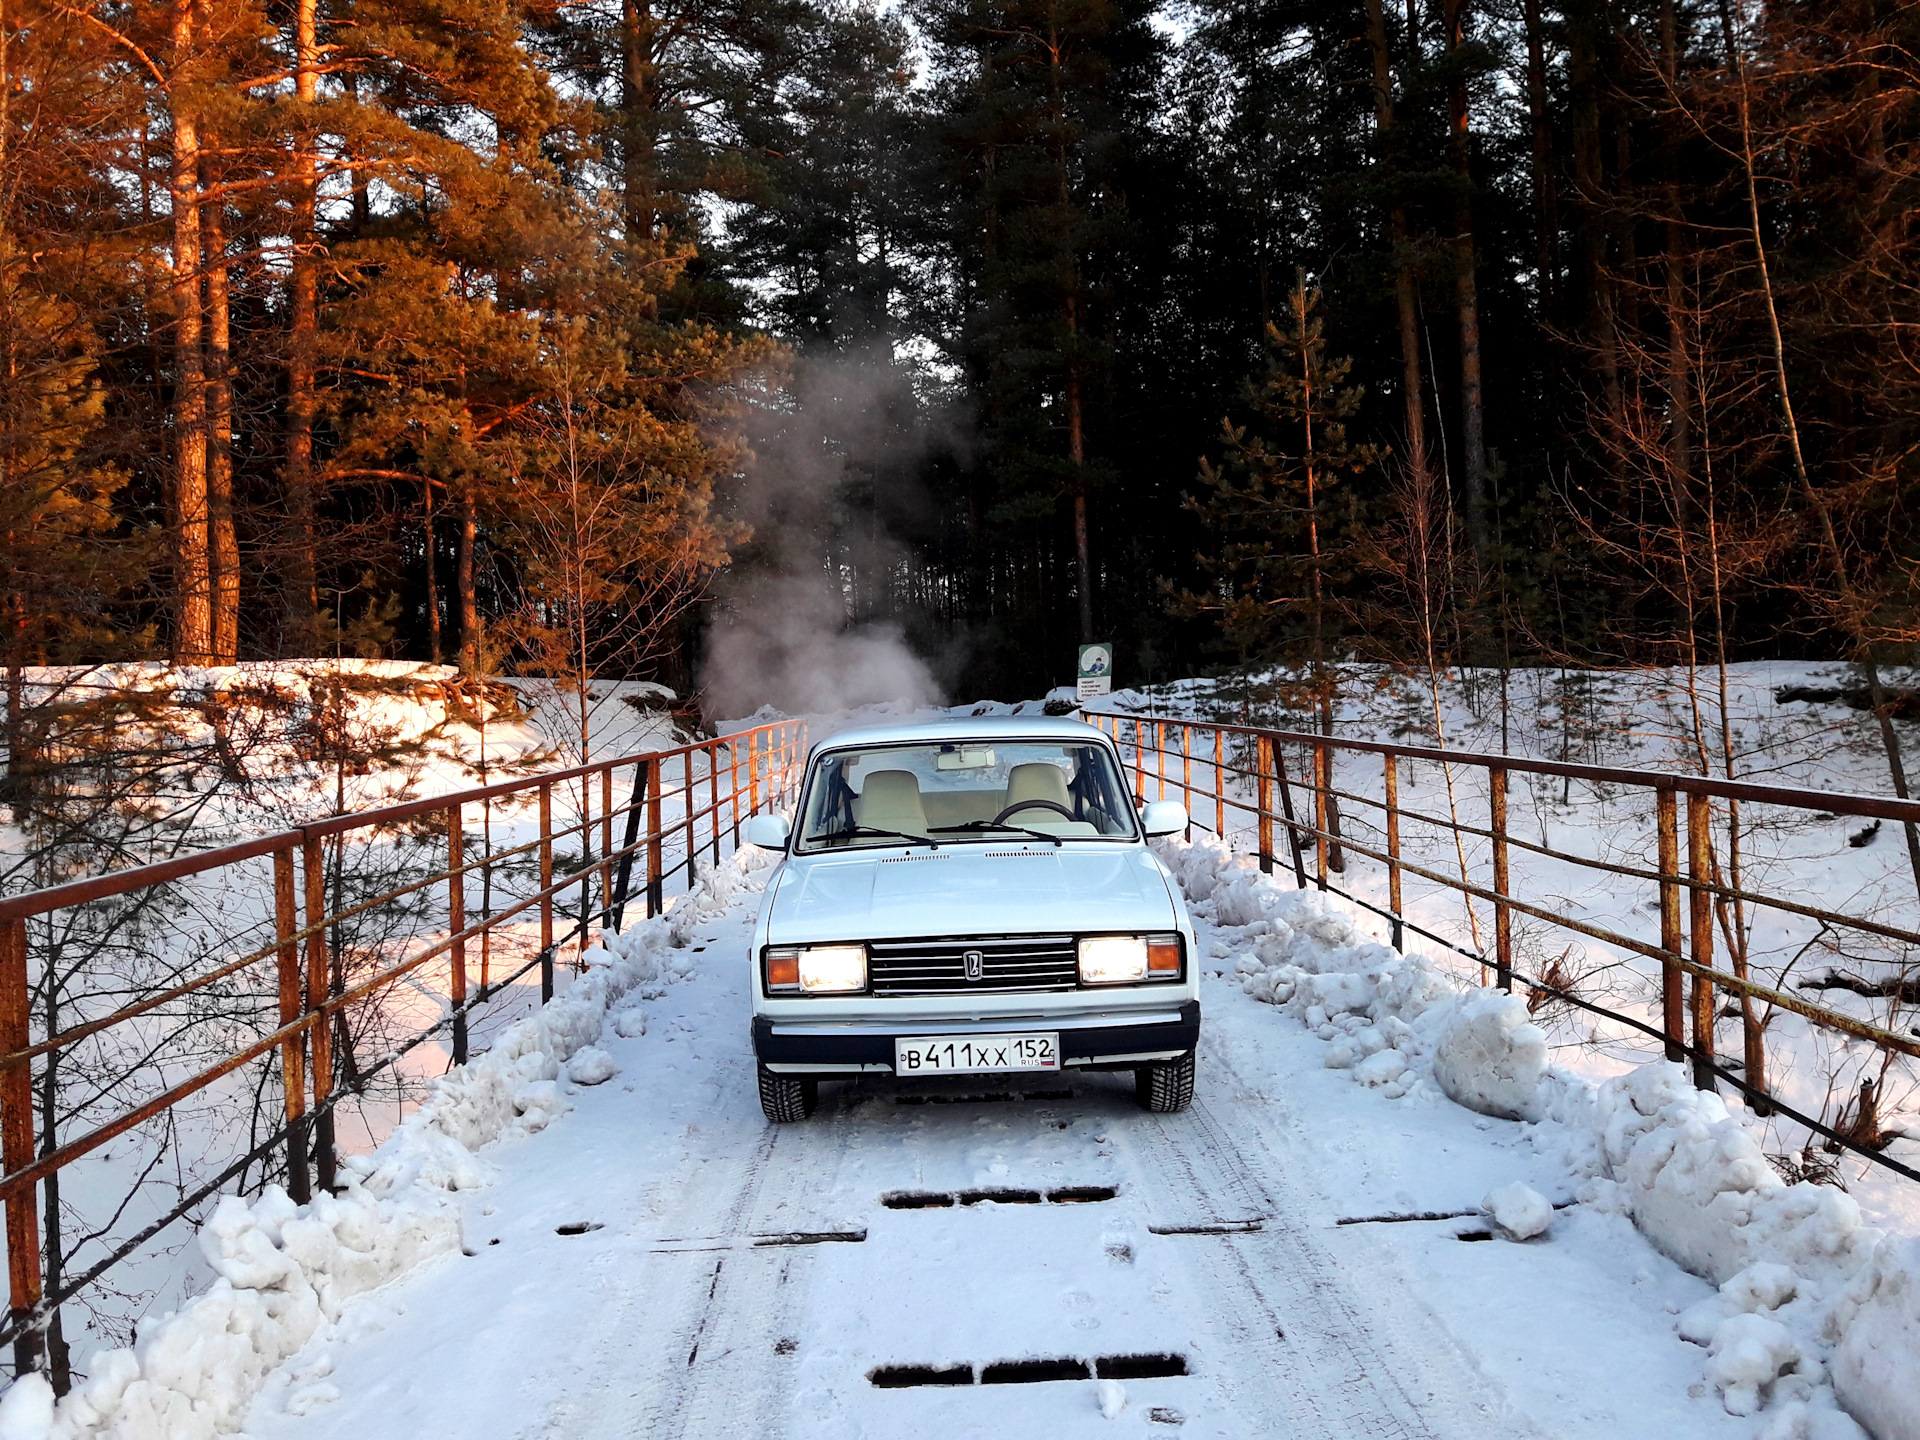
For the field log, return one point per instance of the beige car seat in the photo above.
(890, 800)
(1038, 780)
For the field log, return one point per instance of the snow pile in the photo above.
(1701, 1189)
(1491, 1058)
(1801, 1277)
(1518, 1209)
(591, 1066)
(285, 1271)
(1878, 1359)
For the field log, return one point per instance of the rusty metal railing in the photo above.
(681, 803)
(1239, 772)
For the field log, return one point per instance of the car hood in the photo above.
(970, 890)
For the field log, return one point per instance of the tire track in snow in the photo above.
(739, 1384)
(705, 1334)
(653, 1335)
(1332, 1363)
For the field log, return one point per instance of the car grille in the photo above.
(939, 967)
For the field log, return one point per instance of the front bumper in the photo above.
(824, 1050)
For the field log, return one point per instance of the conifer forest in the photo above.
(547, 337)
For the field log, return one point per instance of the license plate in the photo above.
(973, 1054)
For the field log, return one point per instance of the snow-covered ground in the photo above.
(1311, 1252)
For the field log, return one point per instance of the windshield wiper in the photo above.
(977, 825)
(883, 834)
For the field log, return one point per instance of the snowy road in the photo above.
(662, 1263)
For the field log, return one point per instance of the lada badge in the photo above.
(976, 964)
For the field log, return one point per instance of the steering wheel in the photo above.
(1019, 805)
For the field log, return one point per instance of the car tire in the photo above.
(786, 1099)
(1167, 1088)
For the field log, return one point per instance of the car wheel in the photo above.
(786, 1099)
(1165, 1089)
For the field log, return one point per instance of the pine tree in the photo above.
(1273, 504)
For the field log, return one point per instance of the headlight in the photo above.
(1113, 960)
(833, 969)
(1130, 959)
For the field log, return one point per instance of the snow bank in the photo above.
(285, 1271)
(1876, 1366)
(1802, 1278)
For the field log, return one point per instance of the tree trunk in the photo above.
(303, 595)
(53, 1256)
(1473, 445)
(1405, 299)
(639, 107)
(224, 547)
(1590, 229)
(1082, 553)
(1679, 385)
(463, 581)
(1546, 196)
(193, 612)
(433, 583)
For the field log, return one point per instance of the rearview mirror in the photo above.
(769, 832)
(1163, 817)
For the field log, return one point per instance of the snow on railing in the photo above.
(352, 937)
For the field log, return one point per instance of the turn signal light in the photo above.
(783, 970)
(1163, 956)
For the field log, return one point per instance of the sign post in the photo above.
(1096, 670)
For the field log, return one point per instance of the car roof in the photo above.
(966, 727)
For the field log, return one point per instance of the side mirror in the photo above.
(1163, 817)
(769, 832)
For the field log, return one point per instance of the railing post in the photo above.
(713, 796)
(546, 884)
(1139, 763)
(1186, 767)
(686, 805)
(631, 834)
(1699, 869)
(656, 901)
(293, 1050)
(1502, 912)
(1392, 768)
(1263, 774)
(753, 774)
(606, 852)
(733, 785)
(313, 863)
(456, 922)
(1160, 756)
(16, 1145)
(1673, 999)
(1219, 783)
(1278, 759)
(1320, 814)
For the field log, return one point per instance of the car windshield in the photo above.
(959, 792)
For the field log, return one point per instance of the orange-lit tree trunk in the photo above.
(223, 545)
(302, 596)
(193, 609)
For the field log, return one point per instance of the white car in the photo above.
(971, 897)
